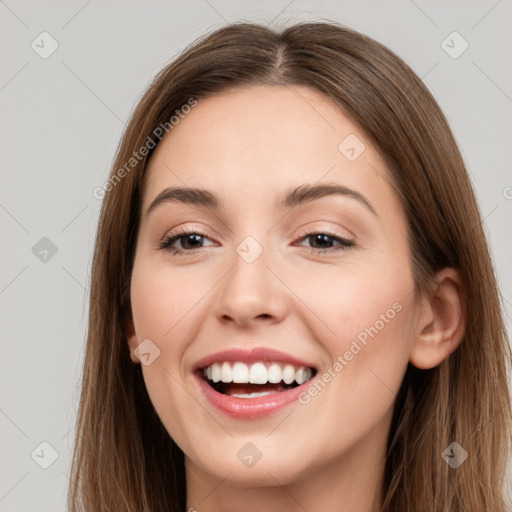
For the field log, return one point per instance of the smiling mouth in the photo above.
(241, 380)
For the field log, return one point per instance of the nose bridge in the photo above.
(250, 289)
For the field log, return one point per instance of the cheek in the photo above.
(360, 303)
(373, 315)
(163, 301)
(368, 342)
(164, 307)
(356, 394)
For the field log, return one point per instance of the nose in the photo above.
(251, 293)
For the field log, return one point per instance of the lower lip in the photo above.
(250, 408)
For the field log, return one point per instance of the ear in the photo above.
(441, 324)
(131, 337)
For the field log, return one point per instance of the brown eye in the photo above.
(189, 241)
(322, 242)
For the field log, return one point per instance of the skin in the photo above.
(250, 146)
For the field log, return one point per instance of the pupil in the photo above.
(190, 238)
(322, 238)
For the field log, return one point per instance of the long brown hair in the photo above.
(124, 459)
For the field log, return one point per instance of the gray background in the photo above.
(63, 116)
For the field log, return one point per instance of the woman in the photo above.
(292, 304)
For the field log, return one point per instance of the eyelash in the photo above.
(166, 243)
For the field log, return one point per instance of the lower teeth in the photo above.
(253, 395)
(245, 390)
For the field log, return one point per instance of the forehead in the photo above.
(252, 142)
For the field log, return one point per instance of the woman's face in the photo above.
(280, 283)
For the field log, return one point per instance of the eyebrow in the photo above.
(302, 194)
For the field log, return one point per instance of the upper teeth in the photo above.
(256, 373)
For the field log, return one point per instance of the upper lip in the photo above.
(250, 356)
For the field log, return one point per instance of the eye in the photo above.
(326, 241)
(190, 242)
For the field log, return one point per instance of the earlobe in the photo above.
(131, 337)
(442, 321)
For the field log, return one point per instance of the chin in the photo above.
(253, 461)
